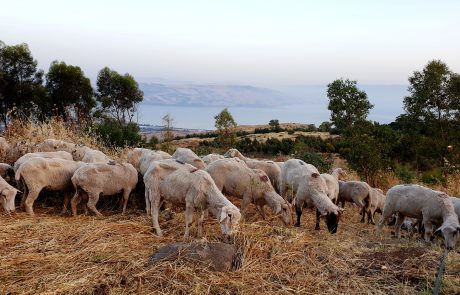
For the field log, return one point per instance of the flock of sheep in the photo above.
(201, 185)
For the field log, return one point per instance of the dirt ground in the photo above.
(53, 254)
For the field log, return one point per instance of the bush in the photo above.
(119, 136)
(405, 173)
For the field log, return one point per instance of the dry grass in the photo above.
(51, 254)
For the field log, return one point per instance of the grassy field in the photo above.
(53, 254)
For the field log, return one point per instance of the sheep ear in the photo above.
(264, 178)
(315, 175)
(278, 209)
(223, 215)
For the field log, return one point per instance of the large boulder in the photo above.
(216, 256)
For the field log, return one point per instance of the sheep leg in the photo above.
(126, 194)
(398, 224)
(24, 197)
(298, 211)
(200, 223)
(66, 202)
(245, 204)
(363, 214)
(370, 217)
(74, 202)
(147, 201)
(188, 220)
(155, 212)
(318, 215)
(428, 230)
(92, 201)
(385, 216)
(261, 209)
(29, 202)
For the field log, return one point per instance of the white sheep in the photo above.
(356, 192)
(138, 155)
(456, 203)
(234, 153)
(49, 155)
(233, 177)
(375, 204)
(157, 171)
(40, 173)
(7, 195)
(304, 181)
(272, 170)
(19, 149)
(95, 156)
(196, 191)
(94, 179)
(332, 182)
(208, 159)
(188, 156)
(434, 208)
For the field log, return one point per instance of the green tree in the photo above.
(118, 95)
(325, 126)
(69, 91)
(225, 125)
(21, 83)
(274, 125)
(347, 104)
(434, 97)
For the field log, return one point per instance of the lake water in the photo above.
(195, 117)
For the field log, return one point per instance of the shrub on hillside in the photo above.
(119, 136)
(317, 160)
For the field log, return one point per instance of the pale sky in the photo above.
(263, 43)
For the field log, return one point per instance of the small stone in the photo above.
(384, 267)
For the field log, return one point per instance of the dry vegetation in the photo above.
(54, 254)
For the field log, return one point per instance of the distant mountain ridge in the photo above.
(211, 95)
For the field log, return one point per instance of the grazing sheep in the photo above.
(375, 204)
(356, 192)
(4, 148)
(94, 179)
(272, 170)
(208, 159)
(304, 181)
(49, 155)
(196, 191)
(434, 208)
(156, 172)
(234, 153)
(136, 155)
(7, 195)
(19, 149)
(332, 182)
(6, 171)
(456, 202)
(188, 156)
(43, 173)
(95, 156)
(233, 177)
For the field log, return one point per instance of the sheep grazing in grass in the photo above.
(456, 202)
(48, 155)
(7, 196)
(140, 157)
(332, 182)
(272, 170)
(208, 159)
(233, 177)
(434, 208)
(356, 192)
(304, 181)
(94, 179)
(234, 153)
(95, 156)
(156, 172)
(375, 204)
(40, 173)
(196, 191)
(188, 156)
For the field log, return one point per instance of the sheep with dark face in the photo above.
(434, 208)
(304, 182)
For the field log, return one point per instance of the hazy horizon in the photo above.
(261, 43)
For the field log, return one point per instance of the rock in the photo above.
(218, 256)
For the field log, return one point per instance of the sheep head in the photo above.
(450, 234)
(229, 218)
